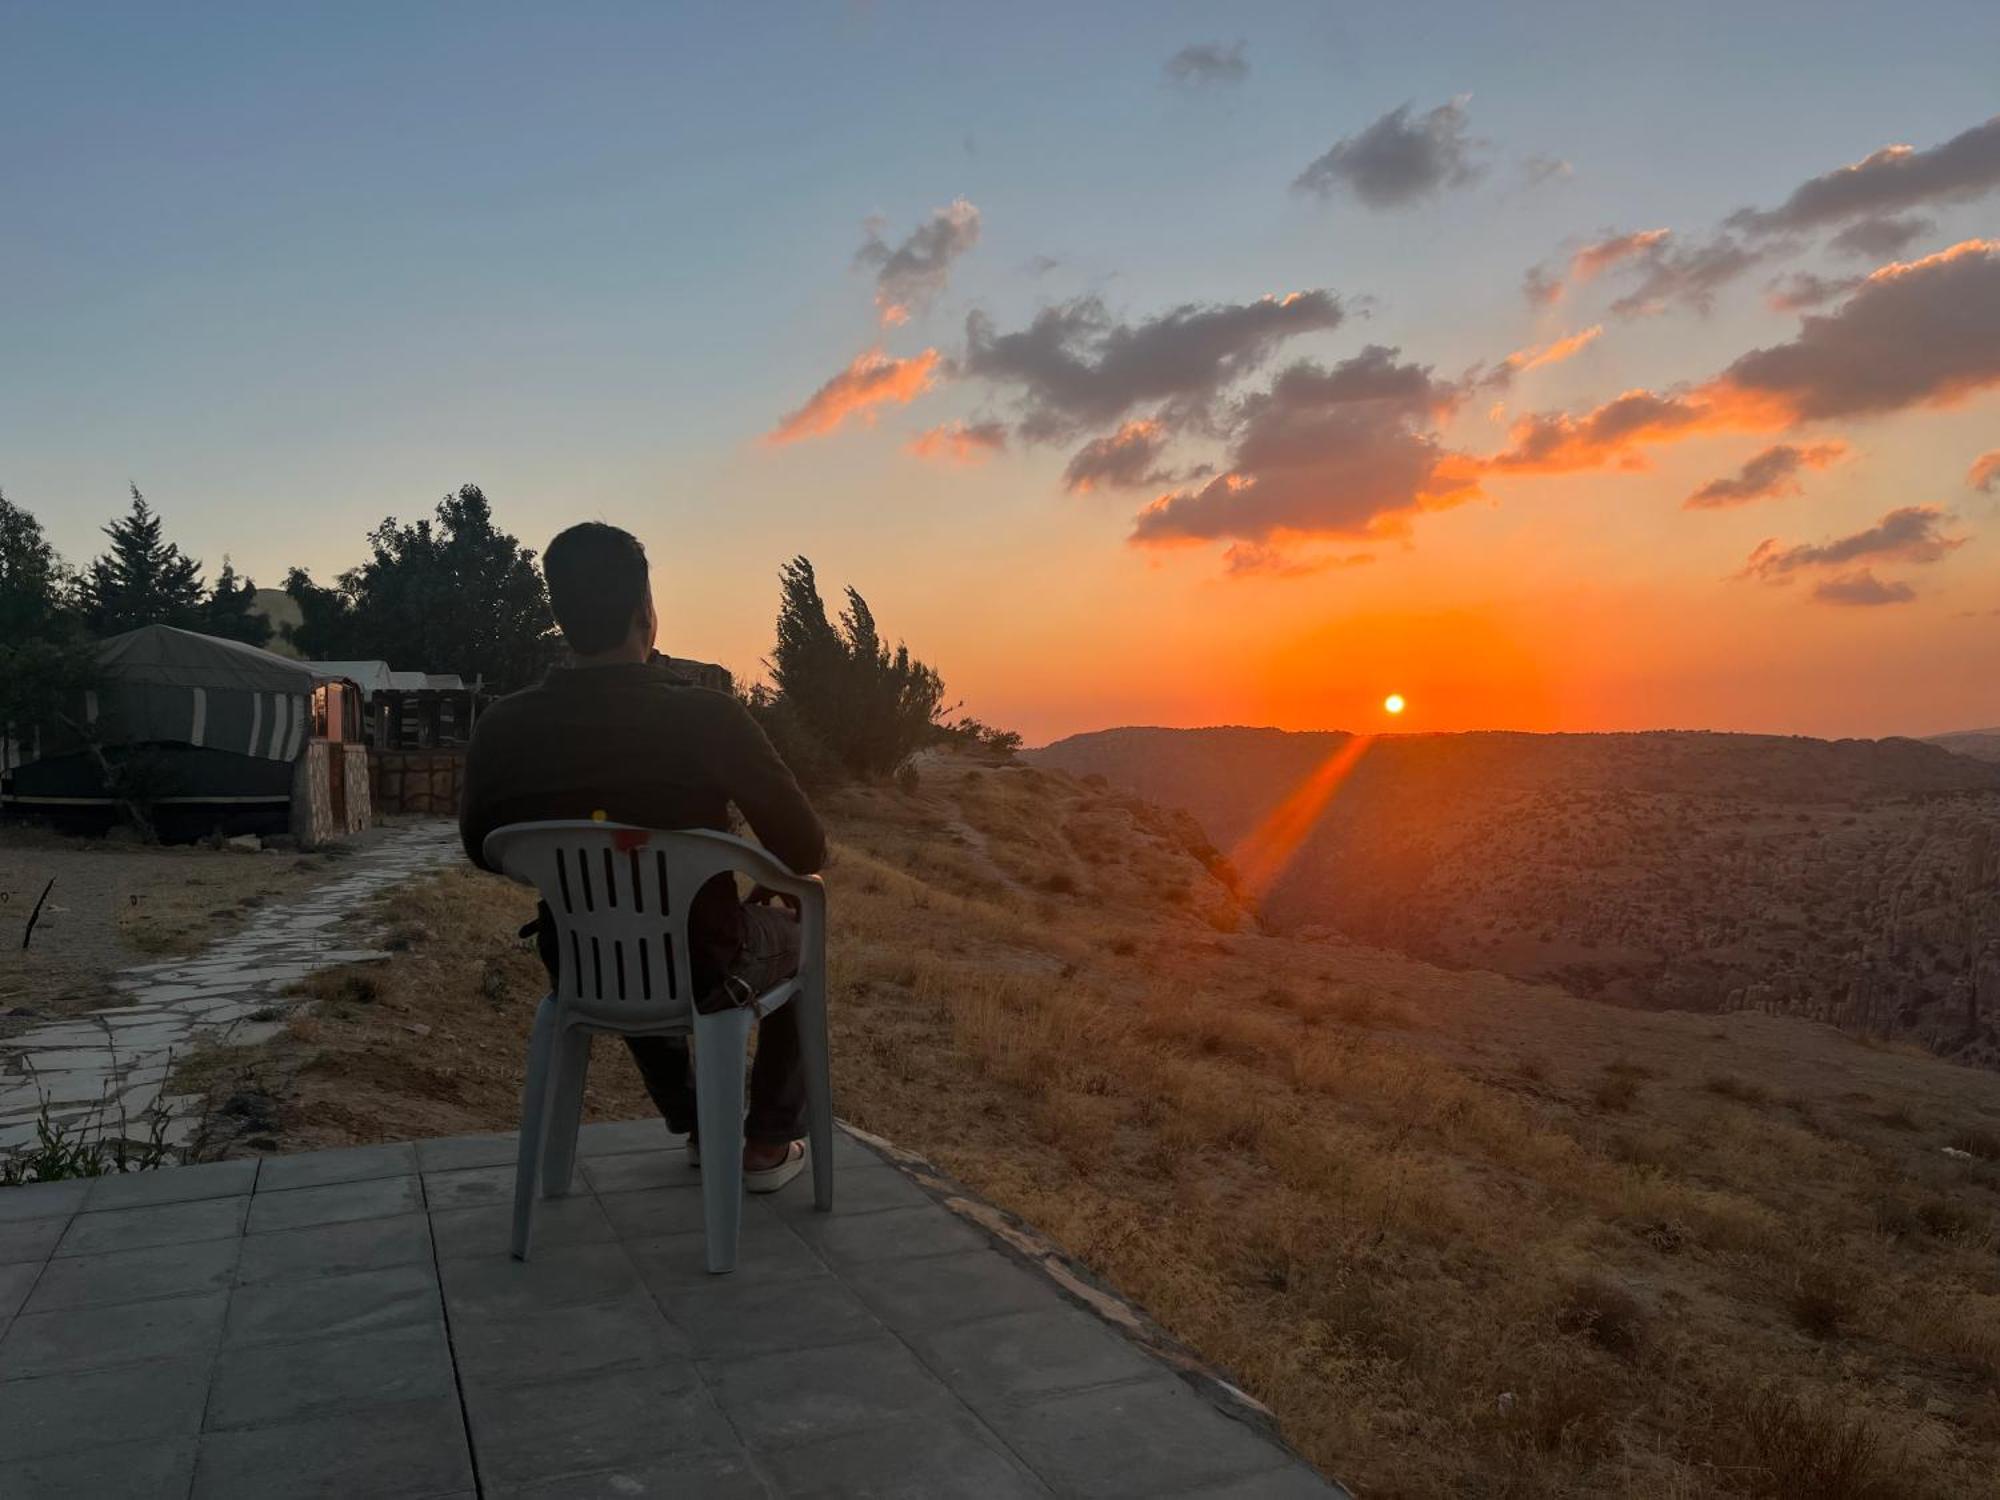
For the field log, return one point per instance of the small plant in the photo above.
(1728, 1087)
(1822, 1301)
(1616, 1093)
(61, 1153)
(1605, 1313)
(1984, 1144)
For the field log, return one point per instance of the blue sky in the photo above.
(295, 268)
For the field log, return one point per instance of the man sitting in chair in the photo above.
(618, 734)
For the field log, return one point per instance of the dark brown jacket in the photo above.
(640, 745)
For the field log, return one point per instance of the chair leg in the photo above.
(811, 1001)
(572, 1068)
(534, 1113)
(721, 1049)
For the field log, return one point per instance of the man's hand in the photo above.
(763, 895)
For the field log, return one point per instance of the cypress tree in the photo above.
(143, 579)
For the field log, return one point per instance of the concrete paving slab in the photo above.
(1151, 1438)
(609, 1137)
(371, 1328)
(469, 1187)
(797, 1396)
(15, 1281)
(146, 1470)
(41, 1200)
(766, 1252)
(654, 1212)
(30, 1240)
(93, 1338)
(557, 1343)
(1030, 1354)
(478, 1232)
(61, 1413)
(711, 1476)
(942, 1460)
(376, 1453)
(862, 1239)
(159, 1224)
(539, 1432)
(937, 1291)
(499, 1286)
(354, 1164)
(466, 1151)
(135, 1275)
(733, 1316)
(630, 1171)
(333, 1306)
(270, 1383)
(372, 1198)
(334, 1249)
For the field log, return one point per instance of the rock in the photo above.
(418, 1028)
(249, 843)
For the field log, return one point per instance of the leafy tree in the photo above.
(449, 594)
(839, 694)
(143, 579)
(228, 613)
(35, 588)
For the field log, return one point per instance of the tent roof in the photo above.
(184, 658)
(370, 676)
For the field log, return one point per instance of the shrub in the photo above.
(1616, 1094)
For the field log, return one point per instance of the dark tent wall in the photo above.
(213, 729)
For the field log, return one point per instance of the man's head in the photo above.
(600, 592)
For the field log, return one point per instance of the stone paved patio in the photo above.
(101, 1073)
(348, 1324)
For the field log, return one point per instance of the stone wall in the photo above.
(312, 798)
(426, 783)
(360, 803)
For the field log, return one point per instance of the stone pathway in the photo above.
(103, 1072)
(349, 1324)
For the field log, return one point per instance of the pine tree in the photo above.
(228, 610)
(143, 579)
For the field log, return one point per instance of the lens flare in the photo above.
(1393, 703)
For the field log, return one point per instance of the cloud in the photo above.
(1912, 534)
(1347, 451)
(1861, 587)
(1076, 368)
(1124, 460)
(1984, 475)
(1538, 169)
(1800, 290)
(913, 275)
(1890, 181)
(1541, 286)
(872, 380)
(1921, 333)
(1254, 560)
(1594, 259)
(1397, 161)
(1558, 443)
(1767, 475)
(1690, 275)
(1917, 333)
(1208, 63)
(1873, 239)
(1554, 354)
(964, 443)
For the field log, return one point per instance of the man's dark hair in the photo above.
(597, 583)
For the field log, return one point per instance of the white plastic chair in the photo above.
(619, 897)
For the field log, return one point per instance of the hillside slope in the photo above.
(1980, 744)
(1466, 1236)
(1852, 881)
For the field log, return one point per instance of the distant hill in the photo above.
(1855, 881)
(1980, 744)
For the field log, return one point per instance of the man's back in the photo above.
(640, 746)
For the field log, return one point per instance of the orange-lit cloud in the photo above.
(1766, 475)
(1258, 560)
(964, 443)
(1984, 475)
(1533, 357)
(914, 274)
(1913, 535)
(1916, 333)
(1126, 459)
(1594, 260)
(872, 380)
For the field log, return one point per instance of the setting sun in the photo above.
(1393, 703)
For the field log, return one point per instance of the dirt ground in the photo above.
(113, 905)
(1466, 1235)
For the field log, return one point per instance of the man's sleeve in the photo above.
(475, 818)
(765, 791)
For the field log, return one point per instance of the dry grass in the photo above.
(1465, 1235)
